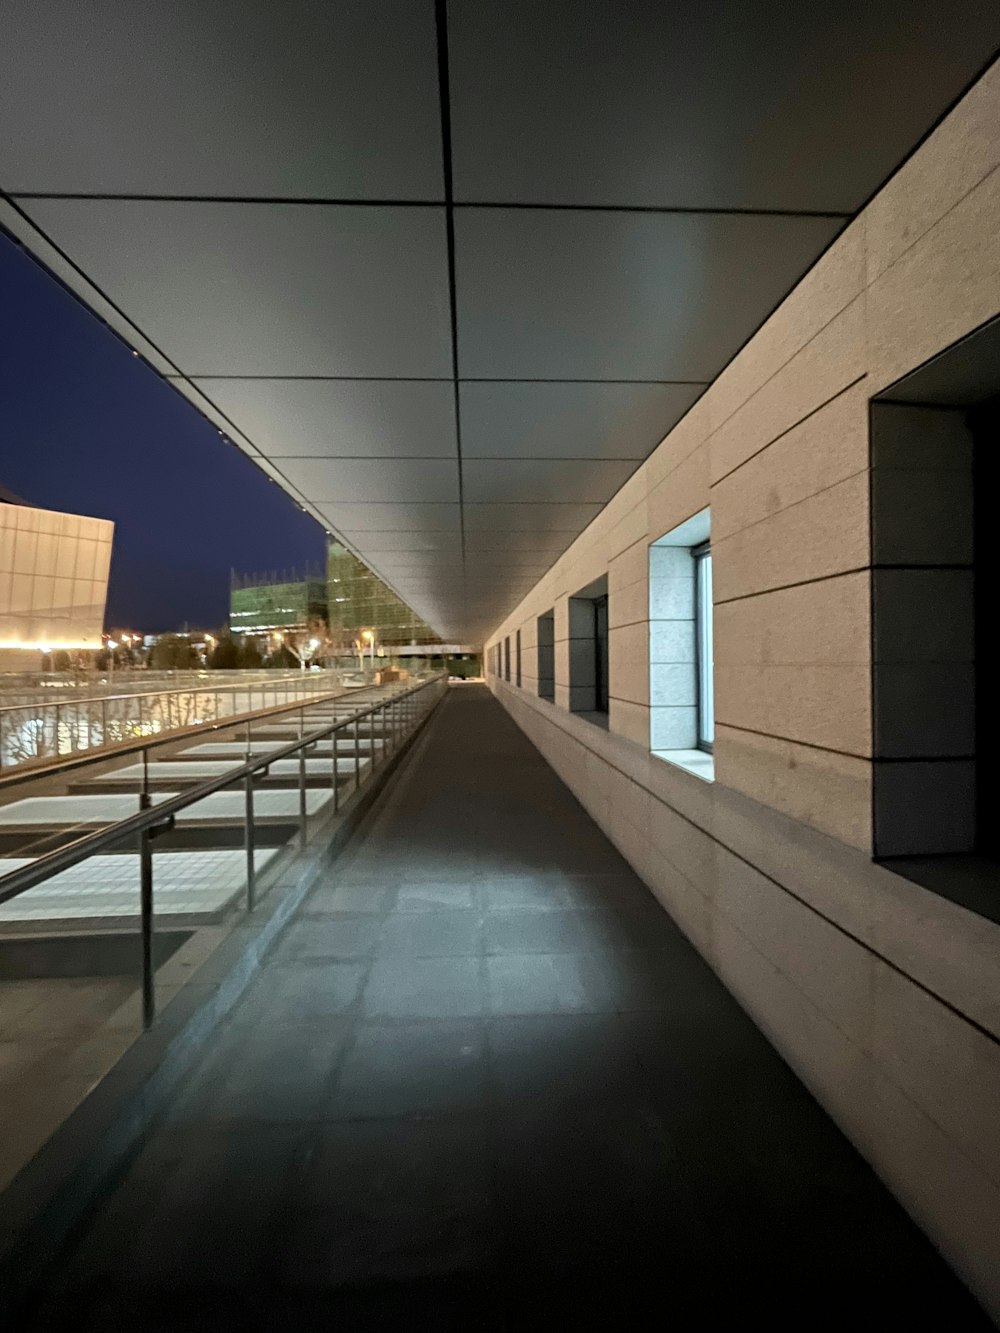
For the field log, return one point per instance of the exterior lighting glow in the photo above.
(34, 646)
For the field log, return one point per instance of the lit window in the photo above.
(681, 684)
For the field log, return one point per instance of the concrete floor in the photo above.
(483, 1083)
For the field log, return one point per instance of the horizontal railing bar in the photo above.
(30, 876)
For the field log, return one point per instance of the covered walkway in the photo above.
(483, 1083)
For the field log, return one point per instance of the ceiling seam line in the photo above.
(486, 205)
(444, 97)
(435, 379)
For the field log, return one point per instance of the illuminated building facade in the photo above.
(53, 582)
(358, 600)
(257, 607)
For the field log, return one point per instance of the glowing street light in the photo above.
(368, 637)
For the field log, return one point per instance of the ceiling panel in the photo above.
(548, 294)
(269, 289)
(406, 543)
(332, 480)
(252, 195)
(569, 518)
(356, 521)
(685, 105)
(341, 418)
(566, 420)
(502, 480)
(225, 97)
(492, 540)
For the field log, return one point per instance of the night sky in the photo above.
(88, 428)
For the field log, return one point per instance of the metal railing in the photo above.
(399, 713)
(47, 729)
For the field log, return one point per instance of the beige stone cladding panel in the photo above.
(796, 664)
(831, 285)
(630, 566)
(941, 288)
(628, 661)
(934, 1178)
(827, 447)
(630, 720)
(819, 959)
(961, 152)
(936, 1182)
(823, 368)
(823, 535)
(828, 791)
(690, 433)
(821, 706)
(942, 1063)
(629, 605)
(681, 493)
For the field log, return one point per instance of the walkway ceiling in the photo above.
(450, 276)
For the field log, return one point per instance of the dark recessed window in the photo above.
(935, 720)
(546, 656)
(589, 668)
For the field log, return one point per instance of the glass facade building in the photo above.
(261, 608)
(358, 600)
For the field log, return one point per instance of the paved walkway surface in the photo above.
(483, 1083)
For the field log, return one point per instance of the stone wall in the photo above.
(884, 997)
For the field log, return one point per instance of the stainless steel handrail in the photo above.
(150, 819)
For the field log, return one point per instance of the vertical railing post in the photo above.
(249, 830)
(302, 796)
(336, 784)
(357, 750)
(146, 911)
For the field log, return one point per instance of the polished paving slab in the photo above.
(483, 1083)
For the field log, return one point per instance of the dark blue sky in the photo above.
(87, 427)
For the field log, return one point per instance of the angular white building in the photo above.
(53, 583)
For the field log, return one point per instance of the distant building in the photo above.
(259, 606)
(53, 582)
(359, 600)
(349, 600)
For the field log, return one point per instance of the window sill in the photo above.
(698, 762)
(595, 718)
(968, 879)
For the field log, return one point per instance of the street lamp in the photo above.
(368, 637)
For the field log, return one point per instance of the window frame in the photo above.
(704, 646)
